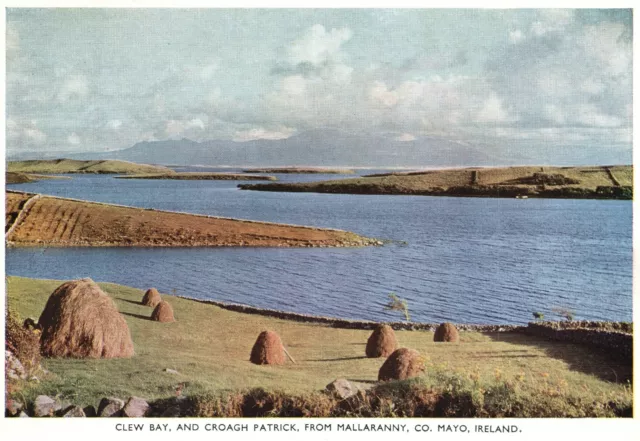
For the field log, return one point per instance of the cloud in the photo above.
(24, 133)
(183, 128)
(493, 111)
(74, 87)
(73, 139)
(114, 124)
(318, 46)
(261, 133)
(406, 137)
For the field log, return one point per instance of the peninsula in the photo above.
(37, 220)
(595, 182)
(76, 166)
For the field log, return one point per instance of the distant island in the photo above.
(77, 166)
(202, 176)
(301, 170)
(594, 182)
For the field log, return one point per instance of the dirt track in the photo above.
(61, 222)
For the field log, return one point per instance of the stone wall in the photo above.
(613, 343)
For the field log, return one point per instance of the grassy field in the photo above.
(497, 182)
(62, 222)
(210, 348)
(77, 166)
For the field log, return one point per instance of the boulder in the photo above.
(73, 412)
(341, 389)
(14, 368)
(110, 407)
(44, 406)
(135, 408)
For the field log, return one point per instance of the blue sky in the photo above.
(98, 79)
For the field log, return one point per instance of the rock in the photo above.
(12, 408)
(135, 408)
(90, 412)
(171, 371)
(15, 369)
(342, 389)
(23, 414)
(44, 406)
(171, 412)
(74, 412)
(110, 407)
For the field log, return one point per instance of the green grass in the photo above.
(210, 346)
(77, 166)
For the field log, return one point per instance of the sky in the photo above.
(95, 80)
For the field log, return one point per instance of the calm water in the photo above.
(465, 260)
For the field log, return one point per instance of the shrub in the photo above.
(22, 342)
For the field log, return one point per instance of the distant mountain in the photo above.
(313, 148)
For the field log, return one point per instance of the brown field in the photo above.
(13, 205)
(63, 222)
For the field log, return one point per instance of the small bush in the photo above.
(22, 342)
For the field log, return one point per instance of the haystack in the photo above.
(151, 298)
(268, 349)
(446, 332)
(382, 342)
(163, 313)
(402, 364)
(80, 320)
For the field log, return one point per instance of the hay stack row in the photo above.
(81, 321)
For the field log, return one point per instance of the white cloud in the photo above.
(75, 86)
(493, 111)
(73, 139)
(406, 137)
(318, 46)
(516, 36)
(184, 128)
(114, 124)
(261, 133)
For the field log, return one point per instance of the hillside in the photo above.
(37, 220)
(77, 166)
(606, 182)
(205, 355)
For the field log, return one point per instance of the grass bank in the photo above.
(501, 373)
(77, 166)
(598, 182)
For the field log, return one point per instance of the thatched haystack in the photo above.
(80, 320)
(382, 342)
(163, 312)
(268, 349)
(402, 364)
(446, 332)
(151, 298)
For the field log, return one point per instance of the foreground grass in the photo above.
(210, 347)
